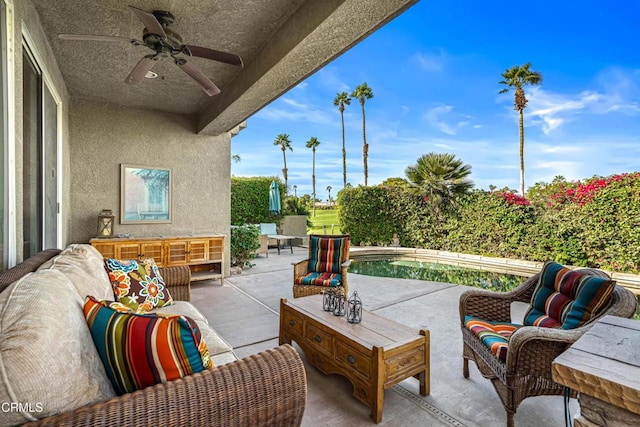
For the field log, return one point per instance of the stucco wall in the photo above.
(103, 136)
(25, 18)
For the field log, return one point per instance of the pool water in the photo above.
(410, 269)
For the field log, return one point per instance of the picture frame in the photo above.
(145, 195)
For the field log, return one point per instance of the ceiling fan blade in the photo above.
(91, 37)
(140, 70)
(216, 55)
(150, 22)
(197, 75)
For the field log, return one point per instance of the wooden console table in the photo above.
(203, 254)
(373, 355)
(604, 367)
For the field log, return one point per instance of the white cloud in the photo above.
(616, 93)
(329, 77)
(288, 109)
(433, 116)
(301, 85)
(431, 61)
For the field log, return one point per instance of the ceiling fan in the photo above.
(165, 43)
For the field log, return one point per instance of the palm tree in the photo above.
(519, 76)
(283, 141)
(439, 178)
(340, 101)
(313, 143)
(363, 92)
(329, 191)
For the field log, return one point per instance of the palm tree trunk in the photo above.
(284, 173)
(521, 128)
(365, 146)
(313, 180)
(344, 152)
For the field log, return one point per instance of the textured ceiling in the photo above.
(97, 70)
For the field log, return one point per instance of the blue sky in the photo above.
(434, 71)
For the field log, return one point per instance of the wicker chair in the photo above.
(313, 275)
(526, 372)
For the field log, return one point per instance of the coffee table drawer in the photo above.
(320, 339)
(351, 357)
(398, 366)
(293, 322)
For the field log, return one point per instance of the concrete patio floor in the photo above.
(244, 311)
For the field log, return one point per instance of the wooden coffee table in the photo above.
(374, 354)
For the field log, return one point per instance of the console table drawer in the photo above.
(293, 322)
(351, 357)
(398, 366)
(318, 338)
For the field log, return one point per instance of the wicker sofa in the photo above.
(51, 373)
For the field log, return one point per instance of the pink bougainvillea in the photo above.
(582, 193)
(512, 199)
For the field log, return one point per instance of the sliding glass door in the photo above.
(39, 162)
(32, 223)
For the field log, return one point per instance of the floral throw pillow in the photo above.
(138, 284)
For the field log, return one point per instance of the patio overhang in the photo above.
(281, 42)
(316, 34)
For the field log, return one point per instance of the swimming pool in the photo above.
(435, 272)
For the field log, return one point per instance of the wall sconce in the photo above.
(105, 223)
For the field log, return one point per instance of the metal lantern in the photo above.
(354, 308)
(339, 302)
(105, 223)
(328, 299)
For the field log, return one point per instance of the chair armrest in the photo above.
(495, 305)
(540, 346)
(344, 269)
(178, 281)
(268, 388)
(300, 268)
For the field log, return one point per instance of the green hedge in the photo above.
(593, 223)
(250, 200)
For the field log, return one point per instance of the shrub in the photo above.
(250, 200)
(594, 223)
(365, 214)
(245, 241)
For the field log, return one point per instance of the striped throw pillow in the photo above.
(140, 350)
(565, 298)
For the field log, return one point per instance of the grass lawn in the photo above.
(323, 217)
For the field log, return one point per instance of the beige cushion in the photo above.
(214, 342)
(47, 355)
(84, 267)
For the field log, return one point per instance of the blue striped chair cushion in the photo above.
(320, 279)
(494, 335)
(566, 298)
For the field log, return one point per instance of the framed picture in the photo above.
(145, 195)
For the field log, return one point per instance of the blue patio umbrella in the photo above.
(274, 198)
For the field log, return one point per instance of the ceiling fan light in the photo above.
(151, 75)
